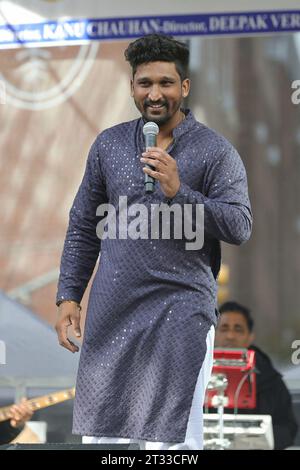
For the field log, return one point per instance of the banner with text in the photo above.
(21, 26)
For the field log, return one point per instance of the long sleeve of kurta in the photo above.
(227, 211)
(82, 246)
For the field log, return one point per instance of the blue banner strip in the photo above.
(79, 30)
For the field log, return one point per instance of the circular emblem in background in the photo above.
(40, 78)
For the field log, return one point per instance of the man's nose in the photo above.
(155, 93)
(230, 334)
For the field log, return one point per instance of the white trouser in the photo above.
(194, 432)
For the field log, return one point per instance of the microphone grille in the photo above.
(150, 128)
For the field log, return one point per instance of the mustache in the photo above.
(155, 103)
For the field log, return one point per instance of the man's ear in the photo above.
(251, 338)
(131, 87)
(185, 87)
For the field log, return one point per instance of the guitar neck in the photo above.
(41, 402)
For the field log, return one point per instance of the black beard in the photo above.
(159, 120)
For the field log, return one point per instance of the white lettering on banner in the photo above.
(122, 28)
(238, 22)
(105, 29)
(134, 27)
(94, 28)
(117, 29)
(154, 25)
(191, 27)
(285, 20)
(64, 30)
(29, 35)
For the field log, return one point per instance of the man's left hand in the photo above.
(165, 170)
(20, 413)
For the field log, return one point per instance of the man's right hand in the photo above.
(68, 315)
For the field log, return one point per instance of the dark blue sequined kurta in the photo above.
(152, 302)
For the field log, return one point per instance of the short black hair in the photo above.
(158, 47)
(238, 308)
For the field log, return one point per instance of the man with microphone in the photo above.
(148, 342)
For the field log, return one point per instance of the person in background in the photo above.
(19, 414)
(235, 330)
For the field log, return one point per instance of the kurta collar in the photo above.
(183, 127)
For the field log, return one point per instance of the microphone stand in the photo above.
(219, 382)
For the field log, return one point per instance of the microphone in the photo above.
(150, 131)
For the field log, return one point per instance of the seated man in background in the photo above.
(19, 414)
(235, 330)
